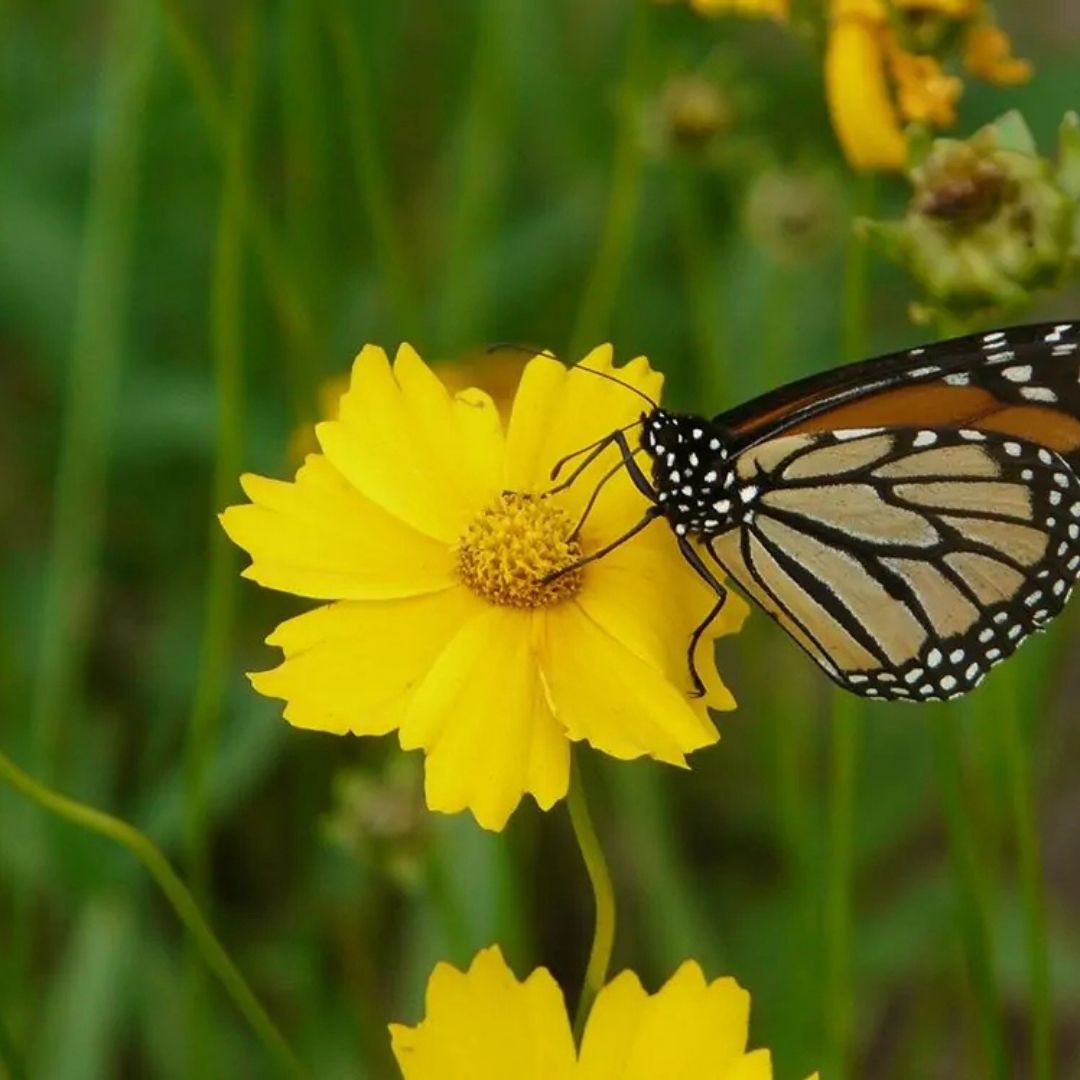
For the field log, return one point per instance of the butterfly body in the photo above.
(909, 521)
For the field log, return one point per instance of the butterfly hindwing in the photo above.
(906, 561)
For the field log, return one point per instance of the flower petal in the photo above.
(988, 55)
(319, 537)
(602, 692)
(485, 1025)
(402, 441)
(863, 115)
(349, 666)
(688, 1028)
(557, 415)
(482, 716)
(646, 597)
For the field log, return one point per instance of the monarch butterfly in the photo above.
(909, 520)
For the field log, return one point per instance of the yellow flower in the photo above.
(875, 85)
(768, 9)
(483, 1024)
(422, 522)
(988, 55)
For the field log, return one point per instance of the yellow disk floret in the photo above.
(513, 545)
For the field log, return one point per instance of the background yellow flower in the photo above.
(439, 626)
(482, 1024)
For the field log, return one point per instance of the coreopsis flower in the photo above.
(483, 1024)
(496, 371)
(989, 220)
(425, 524)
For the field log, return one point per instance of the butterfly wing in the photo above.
(906, 561)
(1021, 381)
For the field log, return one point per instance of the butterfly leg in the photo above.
(627, 463)
(699, 566)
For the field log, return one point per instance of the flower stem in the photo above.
(602, 285)
(372, 174)
(226, 335)
(600, 878)
(11, 1066)
(482, 165)
(282, 284)
(178, 896)
(846, 713)
(974, 904)
(844, 732)
(1016, 760)
(706, 302)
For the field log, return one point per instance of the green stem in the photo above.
(603, 894)
(178, 896)
(974, 902)
(79, 495)
(11, 1066)
(226, 337)
(1016, 760)
(372, 173)
(601, 288)
(706, 302)
(844, 733)
(844, 739)
(484, 146)
(282, 285)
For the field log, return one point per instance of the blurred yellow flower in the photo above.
(988, 56)
(483, 1024)
(875, 85)
(769, 9)
(422, 521)
(884, 66)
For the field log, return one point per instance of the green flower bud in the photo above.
(989, 220)
(380, 819)
(795, 216)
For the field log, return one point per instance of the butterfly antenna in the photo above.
(618, 382)
(514, 346)
(534, 350)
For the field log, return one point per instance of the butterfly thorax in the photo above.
(697, 487)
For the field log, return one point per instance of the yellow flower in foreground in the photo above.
(422, 521)
(483, 1024)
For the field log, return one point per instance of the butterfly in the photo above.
(909, 520)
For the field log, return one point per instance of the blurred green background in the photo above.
(205, 209)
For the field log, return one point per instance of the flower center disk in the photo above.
(513, 545)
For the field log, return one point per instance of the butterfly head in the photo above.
(691, 472)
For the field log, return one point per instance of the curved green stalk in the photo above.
(603, 894)
(178, 896)
(602, 285)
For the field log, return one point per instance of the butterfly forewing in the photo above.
(906, 560)
(1021, 381)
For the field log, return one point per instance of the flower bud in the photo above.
(795, 216)
(989, 219)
